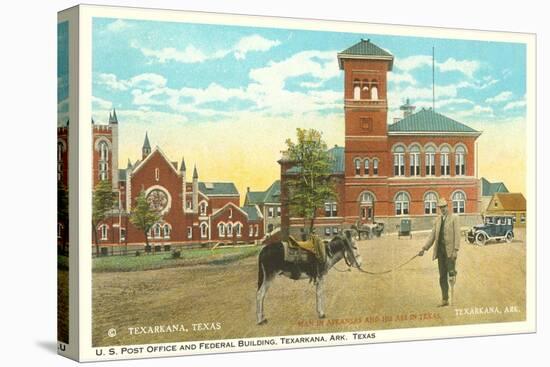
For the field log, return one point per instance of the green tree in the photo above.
(143, 216)
(103, 203)
(311, 185)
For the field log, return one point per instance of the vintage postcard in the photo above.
(245, 183)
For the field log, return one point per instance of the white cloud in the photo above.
(515, 104)
(101, 104)
(118, 25)
(401, 78)
(144, 81)
(466, 67)
(111, 81)
(317, 64)
(266, 92)
(499, 98)
(253, 43)
(191, 54)
(413, 62)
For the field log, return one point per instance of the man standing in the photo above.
(446, 236)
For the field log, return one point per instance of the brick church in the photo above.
(386, 172)
(192, 211)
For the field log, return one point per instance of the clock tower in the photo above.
(367, 162)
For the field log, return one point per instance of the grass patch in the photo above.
(62, 262)
(189, 257)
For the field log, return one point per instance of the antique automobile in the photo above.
(494, 227)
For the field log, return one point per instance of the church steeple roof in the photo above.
(195, 173)
(112, 118)
(146, 144)
(182, 165)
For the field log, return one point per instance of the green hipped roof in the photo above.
(365, 48)
(490, 188)
(252, 212)
(336, 155)
(218, 188)
(271, 195)
(427, 120)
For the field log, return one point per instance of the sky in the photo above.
(62, 73)
(227, 97)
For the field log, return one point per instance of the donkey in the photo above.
(271, 262)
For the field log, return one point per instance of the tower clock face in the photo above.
(157, 199)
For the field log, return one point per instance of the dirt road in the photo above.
(490, 278)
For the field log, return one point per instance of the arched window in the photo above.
(374, 92)
(459, 202)
(103, 151)
(444, 160)
(103, 232)
(204, 230)
(460, 165)
(60, 149)
(430, 203)
(221, 230)
(430, 160)
(367, 198)
(202, 207)
(375, 166)
(238, 229)
(166, 231)
(156, 231)
(356, 90)
(399, 161)
(415, 160)
(402, 204)
(357, 166)
(367, 168)
(229, 230)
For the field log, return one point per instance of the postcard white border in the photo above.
(87, 12)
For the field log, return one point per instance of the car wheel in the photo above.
(481, 238)
(509, 237)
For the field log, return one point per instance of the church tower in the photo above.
(367, 162)
(146, 148)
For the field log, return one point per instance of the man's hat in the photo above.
(442, 202)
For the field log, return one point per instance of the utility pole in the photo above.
(433, 78)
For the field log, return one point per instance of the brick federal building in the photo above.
(386, 172)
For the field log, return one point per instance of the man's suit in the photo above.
(446, 236)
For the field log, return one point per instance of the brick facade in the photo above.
(192, 211)
(373, 187)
